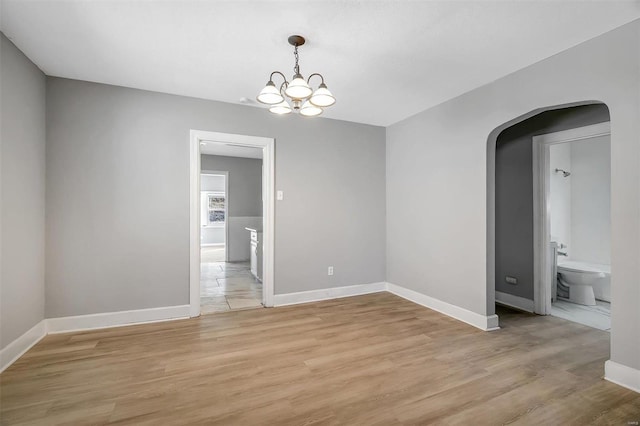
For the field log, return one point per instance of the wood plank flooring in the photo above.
(366, 360)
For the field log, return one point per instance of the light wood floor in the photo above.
(374, 359)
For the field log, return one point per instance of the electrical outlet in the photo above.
(330, 270)
(511, 280)
(279, 195)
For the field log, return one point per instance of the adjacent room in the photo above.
(232, 223)
(363, 212)
(553, 215)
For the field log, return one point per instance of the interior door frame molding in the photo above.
(542, 208)
(268, 210)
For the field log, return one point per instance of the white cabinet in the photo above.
(256, 252)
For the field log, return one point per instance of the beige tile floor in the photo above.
(226, 286)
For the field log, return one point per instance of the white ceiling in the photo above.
(227, 150)
(383, 60)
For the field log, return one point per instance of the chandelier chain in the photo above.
(296, 68)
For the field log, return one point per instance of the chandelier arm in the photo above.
(283, 87)
(279, 73)
(318, 74)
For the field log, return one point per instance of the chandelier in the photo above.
(302, 97)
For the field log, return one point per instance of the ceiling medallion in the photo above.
(301, 97)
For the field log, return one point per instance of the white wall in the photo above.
(214, 183)
(581, 203)
(560, 195)
(439, 192)
(22, 193)
(591, 200)
(113, 249)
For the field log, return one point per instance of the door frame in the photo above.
(268, 210)
(542, 276)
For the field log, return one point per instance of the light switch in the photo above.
(280, 195)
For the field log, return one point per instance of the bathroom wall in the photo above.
(581, 203)
(514, 192)
(591, 200)
(210, 235)
(560, 195)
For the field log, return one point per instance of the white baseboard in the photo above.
(483, 322)
(18, 347)
(622, 375)
(22, 344)
(116, 319)
(327, 293)
(516, 302)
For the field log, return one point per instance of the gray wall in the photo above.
(115, 154)
(245, 182)
(439, 192)
(514, 191)
(22, 182)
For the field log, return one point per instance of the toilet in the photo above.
(578, 280)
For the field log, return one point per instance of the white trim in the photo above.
(116, 319)
(514, 301)
(622, 375)
(268, 210)
(22, 344)
(213, 245)
(577, 134)
(14, 350)
(483, 322)
(542, 279)
(194, 225)
(328, 293)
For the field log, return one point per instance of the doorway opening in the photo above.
(572, 224)
(213, 216)
(520, 266)
(231, 222)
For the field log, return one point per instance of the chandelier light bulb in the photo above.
(270, 95)
(281, 108)
(310, 110)
(298, 88)
(322, 97)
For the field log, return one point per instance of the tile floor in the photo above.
(212, 254)
(226, 286)
(598, 316)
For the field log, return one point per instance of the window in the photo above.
(215, 208)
